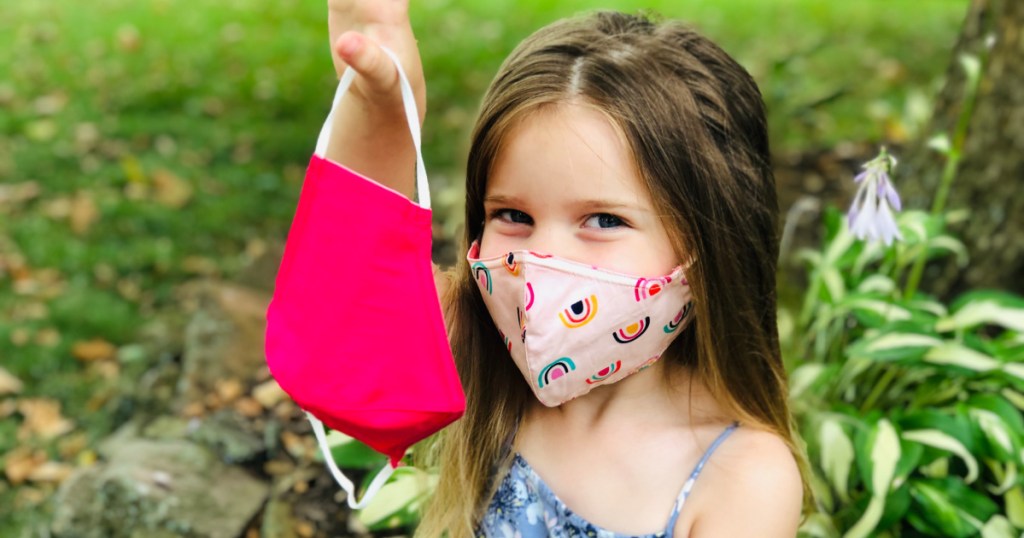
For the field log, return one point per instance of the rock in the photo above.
(223, 340)
(152, 488)
(228, 436)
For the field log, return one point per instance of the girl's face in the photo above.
(565, 184)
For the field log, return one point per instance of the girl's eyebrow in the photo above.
(593, 204)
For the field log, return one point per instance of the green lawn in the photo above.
(167, 139)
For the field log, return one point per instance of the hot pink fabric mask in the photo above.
(355, 333)
(571, 327)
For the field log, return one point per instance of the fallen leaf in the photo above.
(20, 462)
(49, 105)
(84, 213)
(96, 349)
(71, 446)
(171, 190)
(42, 419)
(269, 394)
(9, 384)
(51, 472)
(48, 337)
(129, 38)
(228, 389)
(7, 408)
(296, 445)
(20, 336)
(305, 529)
(18, 193)
(248, 407)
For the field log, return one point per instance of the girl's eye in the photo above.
(512, 215)
(604, 220)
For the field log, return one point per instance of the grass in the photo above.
(168, 138)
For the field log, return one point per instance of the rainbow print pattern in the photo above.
(511, 264)
(483, 276)
(674, 324)
(555, 371)
(579, 313)
(646, 288)
(529, 295)
(605, 373)
(632, 331)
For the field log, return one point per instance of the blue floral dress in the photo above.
(525, 507)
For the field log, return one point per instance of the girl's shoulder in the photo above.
(750, 487)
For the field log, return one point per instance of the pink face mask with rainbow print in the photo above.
(571, 327)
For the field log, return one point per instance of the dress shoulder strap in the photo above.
(688, 485)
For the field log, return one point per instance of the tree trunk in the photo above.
(992, 167)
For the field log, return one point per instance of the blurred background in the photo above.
(151, 155)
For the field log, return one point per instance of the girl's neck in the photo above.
(654, 396)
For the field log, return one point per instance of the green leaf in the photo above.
(988, 312)
(1015, 506)
(836, 455)
(872, 515)
(954, 354)
(818, 525)
(803, 378)
(878, 453)
(1001, 406)
(903, 346)
(397, 503)
(998, 527)
(949, 505)
(349, 453)
(940, 440)
(1003, 442)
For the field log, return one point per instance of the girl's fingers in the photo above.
(366, 57)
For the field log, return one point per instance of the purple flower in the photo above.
(871, 214)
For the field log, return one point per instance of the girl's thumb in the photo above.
(366, 57)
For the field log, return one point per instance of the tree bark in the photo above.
(992, 167)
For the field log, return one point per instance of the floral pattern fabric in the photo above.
(525, 507)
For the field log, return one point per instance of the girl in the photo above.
(623, 165)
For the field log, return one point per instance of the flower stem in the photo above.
(948, 175)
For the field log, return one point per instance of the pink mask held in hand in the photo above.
(355, 333)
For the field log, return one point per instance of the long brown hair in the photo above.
(694, 121)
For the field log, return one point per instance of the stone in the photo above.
(223, 339)
(157, 487)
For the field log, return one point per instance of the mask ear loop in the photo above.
(411, 115)
(378, 481)
(423, 193)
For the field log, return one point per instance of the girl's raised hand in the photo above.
(370, 133)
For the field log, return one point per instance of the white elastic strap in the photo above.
(343, 481)
(411, 115)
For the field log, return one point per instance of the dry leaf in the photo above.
(170, 190)
(9, 384)
(49, 105)
(20, 462)
(296, 445)
(248, 407)
(48, 337)
(18, 193)
(93, 350)
(42, 419)
(269, 394)
(51, 472)
(20, 336)
(7, 408)
(84, 213)
(71, 446)
(228, 389)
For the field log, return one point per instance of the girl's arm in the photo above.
(370, 134)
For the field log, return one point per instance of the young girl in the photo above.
(632, 384)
